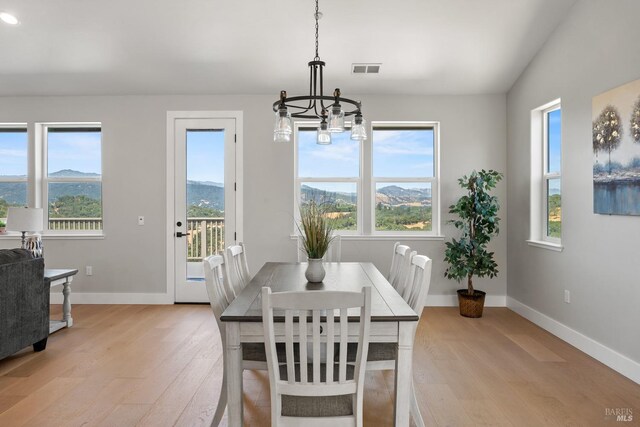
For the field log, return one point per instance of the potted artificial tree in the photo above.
(477, 220)
(316, 230)
(3, 227)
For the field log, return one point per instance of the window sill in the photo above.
(395, 237)
(546, 245)
(57, 237)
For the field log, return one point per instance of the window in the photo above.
(546, 175)
(14, 166)
(330, 174)
(394, 192)
(552, 190)
(72, 178)
(404, 178)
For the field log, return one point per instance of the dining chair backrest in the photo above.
(400, 263)
(237, 268)
(214, 279)
(417, 289)
(323, 376)
(334, 253)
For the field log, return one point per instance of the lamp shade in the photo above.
(24, 219)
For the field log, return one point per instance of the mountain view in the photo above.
(397, 208)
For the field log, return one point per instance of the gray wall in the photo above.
(594, 50)
(132, 258)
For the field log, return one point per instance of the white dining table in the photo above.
(392, 321)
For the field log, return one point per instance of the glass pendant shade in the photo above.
(283, 129)
(336, 119)
(359, 130)
(281, 137)
(324, 136)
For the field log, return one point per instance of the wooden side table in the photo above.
(57, 277)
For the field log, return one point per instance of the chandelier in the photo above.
(316, 105)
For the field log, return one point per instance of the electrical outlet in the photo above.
(567, 296)
(140, 220)
(89, 270)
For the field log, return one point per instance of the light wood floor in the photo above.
(126, 365)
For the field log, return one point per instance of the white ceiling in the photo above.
(86, 47)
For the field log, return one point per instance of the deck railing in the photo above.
(206, 238)
(75, 223)
(206, 235)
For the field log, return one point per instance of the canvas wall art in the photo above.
(616, 151)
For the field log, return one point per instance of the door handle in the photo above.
(181, 234)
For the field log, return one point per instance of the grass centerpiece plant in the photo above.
(316, 231)
(477, 220)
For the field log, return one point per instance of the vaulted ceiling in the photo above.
(86, 47)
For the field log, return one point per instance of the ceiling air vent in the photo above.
(365, 68)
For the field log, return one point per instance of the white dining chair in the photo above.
(400, 266)
(382, 356)
(334, 253)
(237, 268)
(253, 354)
(316, 394)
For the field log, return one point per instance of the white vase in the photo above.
(315, 270)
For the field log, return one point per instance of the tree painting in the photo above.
(634, 126)
(607, 131)
(615, 115)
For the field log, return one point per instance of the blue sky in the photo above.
(205, 156)
(555, 139)
(405, 153)
(554, 152)
(402, 153)
(13, 153)
(78, 151)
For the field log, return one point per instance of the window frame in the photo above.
(298, 180)
(366, 182)
(547, 176)
(538, 200)
(434, 180)
(27, 178)
(44, 180)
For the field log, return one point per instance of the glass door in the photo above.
(205, 199)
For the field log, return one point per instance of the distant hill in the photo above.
(320, 196)
(69, 173)
(205, 194)
(211, 194)
(391, 195)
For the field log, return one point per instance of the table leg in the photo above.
(66, 305)
(233, 362)
(403, 380)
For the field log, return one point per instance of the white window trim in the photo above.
(547, 176)
(434, 180)
(297, 125)
(42, 179)
(366, 223)
(540, 178)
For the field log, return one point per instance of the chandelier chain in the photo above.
(317, 16)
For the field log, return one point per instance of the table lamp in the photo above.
(24, 220)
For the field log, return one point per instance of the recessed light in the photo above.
(9, 18)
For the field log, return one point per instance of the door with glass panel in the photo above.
(204, 199)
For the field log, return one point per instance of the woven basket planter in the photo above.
(471, 305)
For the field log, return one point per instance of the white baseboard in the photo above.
(616, 361)
(112, 298)
(452, 301)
